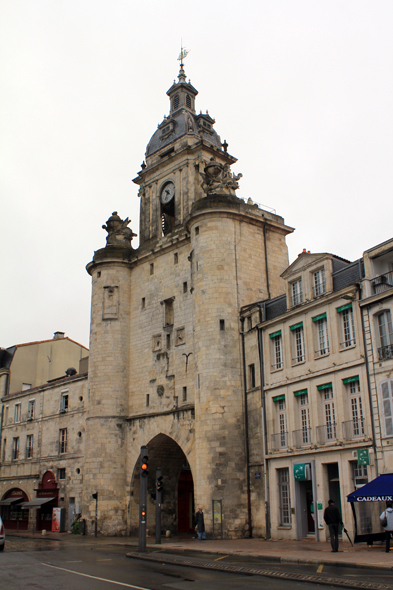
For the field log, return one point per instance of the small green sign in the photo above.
(299, 472)
(363, 457)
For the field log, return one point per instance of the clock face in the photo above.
(167, 193)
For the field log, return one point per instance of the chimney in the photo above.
(58, 335)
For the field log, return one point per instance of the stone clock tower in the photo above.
(165, 352)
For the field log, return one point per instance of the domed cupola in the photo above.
(182, 119)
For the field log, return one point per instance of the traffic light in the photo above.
(159, 483)
(144, 464)
(95, 495)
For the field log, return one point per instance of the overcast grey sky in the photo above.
(301, 90)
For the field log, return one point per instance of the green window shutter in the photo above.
(344, 307)
(299, 325)
(300, 392)
(325, 386)
(322, 316)
(278, 398)
(351, 379)
(278, 333)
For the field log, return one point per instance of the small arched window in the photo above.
(176, 101)
(188, 101)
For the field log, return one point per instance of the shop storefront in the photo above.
(45, 501)
(13, 515)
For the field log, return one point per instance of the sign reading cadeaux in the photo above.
(363, 457)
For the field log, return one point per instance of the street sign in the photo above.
(363, 457)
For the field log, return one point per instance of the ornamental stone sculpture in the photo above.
(217, 178)
(118, 232)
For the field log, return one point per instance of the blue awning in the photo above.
(379, 489)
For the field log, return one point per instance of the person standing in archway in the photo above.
(200, 524)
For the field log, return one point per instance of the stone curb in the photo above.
(258, 571)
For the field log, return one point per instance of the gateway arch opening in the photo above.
(177, 507)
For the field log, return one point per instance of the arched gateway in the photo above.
(178, 488)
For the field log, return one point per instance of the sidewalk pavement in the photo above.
(273, 551)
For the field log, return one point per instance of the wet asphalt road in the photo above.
(47, 565)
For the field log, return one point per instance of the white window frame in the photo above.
(281, 409)
(386, 392)
(385, 334)
(304, 415)
(356, 408)
(17, 413)
(347, 328)
(322, 337)
(319, 282)
(276, 353)
(62, 441)
(296, 292)
(329, 414)
(284, 495)
(298, 346)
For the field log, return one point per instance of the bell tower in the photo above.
(177, 152)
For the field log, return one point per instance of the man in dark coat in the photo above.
(200, 525)
(332, 518)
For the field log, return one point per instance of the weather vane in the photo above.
(183, 53)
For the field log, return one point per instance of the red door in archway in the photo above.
(185, 503)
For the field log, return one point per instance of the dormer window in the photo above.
(297, 292)
(319, 282)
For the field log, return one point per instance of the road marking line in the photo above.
(80, 561)
(104, 559)
(223, 557)
(320, 568)
(95, 577)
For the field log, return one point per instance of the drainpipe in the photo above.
(264, 424)
(369, 384)
(246, 428)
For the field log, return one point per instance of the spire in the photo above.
(183, 54)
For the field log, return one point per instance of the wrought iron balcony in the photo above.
(326, 433)
(383, 282)
(322, 352)
(347, 343)
(353, 429)
(297, 298)
(279, 441)
(385, 352)
(301, 438)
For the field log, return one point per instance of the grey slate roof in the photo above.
(181, 120)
